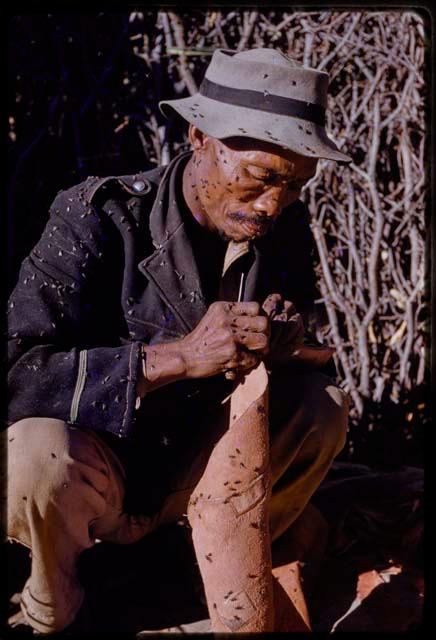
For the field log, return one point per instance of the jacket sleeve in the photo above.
(59, 366)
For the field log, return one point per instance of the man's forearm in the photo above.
(162, 364)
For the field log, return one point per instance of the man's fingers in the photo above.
(273, 304)
(243, 308)
(288, 322)
(289, 308)
(250, 323)
(242, 360)
(287, 331)
(252, 341)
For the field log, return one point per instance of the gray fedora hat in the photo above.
(265, 95)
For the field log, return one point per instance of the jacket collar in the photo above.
(172, 267)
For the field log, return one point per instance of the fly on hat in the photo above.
(265, 95)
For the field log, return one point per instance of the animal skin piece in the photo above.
(228, 512)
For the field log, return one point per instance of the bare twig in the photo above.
(183, 68)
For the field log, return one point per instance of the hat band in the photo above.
(263, 102)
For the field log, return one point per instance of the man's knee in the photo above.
(32, 444)
(36, 450)
(45, 458)
(316, 403)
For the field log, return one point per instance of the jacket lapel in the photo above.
(172, 266)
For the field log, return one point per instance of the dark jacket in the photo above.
(114, 268)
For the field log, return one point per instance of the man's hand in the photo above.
(287, 329)
(231, 336)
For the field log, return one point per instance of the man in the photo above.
(144, 297)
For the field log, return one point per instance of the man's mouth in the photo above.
(253, 226)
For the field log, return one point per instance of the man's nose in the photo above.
(269, 203)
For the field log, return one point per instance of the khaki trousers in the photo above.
(66, 488)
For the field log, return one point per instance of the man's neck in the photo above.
(191, 196)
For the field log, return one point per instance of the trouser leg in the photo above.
(65, 488)
(308, 426)
(307, 432)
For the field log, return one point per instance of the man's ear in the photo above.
(197, 138)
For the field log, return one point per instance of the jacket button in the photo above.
(139, 185)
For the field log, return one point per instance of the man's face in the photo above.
(241, 185)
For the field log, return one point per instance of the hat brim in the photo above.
(222, 120)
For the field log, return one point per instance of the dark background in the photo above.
(66, 98)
